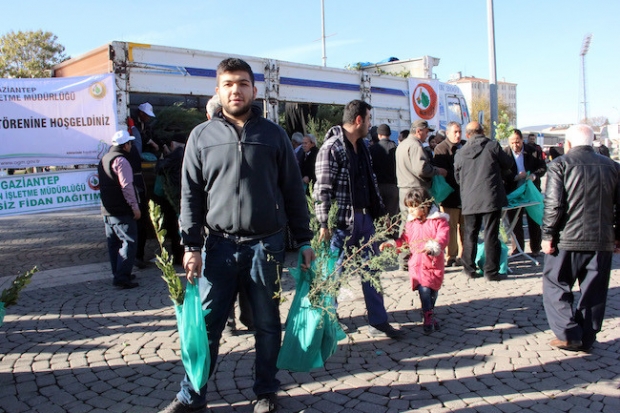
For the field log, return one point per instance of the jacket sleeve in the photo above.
(420, 164)
(554, 203)
(292, 190)
(508, 175)
(505, 161)
(539, 166)
(193, 196)
(443, 232)
(325, 169)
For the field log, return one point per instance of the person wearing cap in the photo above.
(145, 122)
(479, 167)
(120, 209)
(414, 169)
(383, 154)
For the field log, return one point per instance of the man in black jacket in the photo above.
(528, 164)
(444, 158)
(241, 182)
(581, 231)
(478, 169)
(383, 155)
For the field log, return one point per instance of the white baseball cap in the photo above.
(147, 108)
(121, 137)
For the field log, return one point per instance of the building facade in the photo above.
(474, 88)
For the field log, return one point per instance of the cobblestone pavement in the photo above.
(53, 240)
(75, 344)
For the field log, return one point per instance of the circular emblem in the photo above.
(97, 90)
(424, 101)
(93, 181)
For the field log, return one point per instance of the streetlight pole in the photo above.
(492, 74)
(323, 31)
(584, 50)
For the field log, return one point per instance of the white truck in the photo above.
(164, 75)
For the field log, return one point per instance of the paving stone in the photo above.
(97, 349)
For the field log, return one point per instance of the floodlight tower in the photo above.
(584, 50)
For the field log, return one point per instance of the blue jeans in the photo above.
(363, 229)
(122, 235)
(428, 296)
(257, 266)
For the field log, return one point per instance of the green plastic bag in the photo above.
(193, 335)
(440, 189)
(503, 258)
(2, 313)
(312, 333)
(528, 193)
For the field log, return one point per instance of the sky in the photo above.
(537, 42)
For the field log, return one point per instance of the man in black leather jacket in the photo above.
(581, 231)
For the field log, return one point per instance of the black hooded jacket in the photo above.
(479, 167)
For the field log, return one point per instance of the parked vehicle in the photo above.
(167, 75)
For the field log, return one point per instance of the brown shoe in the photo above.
(569, 345)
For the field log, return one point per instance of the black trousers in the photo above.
(532, 227)
(492, 247)
(562, 269)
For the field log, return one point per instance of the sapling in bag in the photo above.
(312, 332)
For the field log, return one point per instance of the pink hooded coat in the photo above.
(425, 269)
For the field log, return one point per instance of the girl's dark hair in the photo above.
(418, 196)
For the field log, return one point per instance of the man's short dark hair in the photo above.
(518, 133)
(354, 109)
(233, 64)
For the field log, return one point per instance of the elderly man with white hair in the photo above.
(581, 231)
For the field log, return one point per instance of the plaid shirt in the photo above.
(333, 180)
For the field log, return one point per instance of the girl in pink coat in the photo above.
(427, 234)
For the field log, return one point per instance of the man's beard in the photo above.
(238, 111)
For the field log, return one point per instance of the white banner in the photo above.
(56, 121)
(45, 192)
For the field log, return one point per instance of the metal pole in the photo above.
(585, 104)
(323, 31)
(492, 74)
(584, 50)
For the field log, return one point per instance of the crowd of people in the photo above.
(243, 188)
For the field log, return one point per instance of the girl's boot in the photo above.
(428, 322)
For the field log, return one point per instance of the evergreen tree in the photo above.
(29, 54)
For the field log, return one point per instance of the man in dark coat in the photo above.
(478, 169)
(444, 158)
(581, 232)
(528, 164)
(383, 154)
